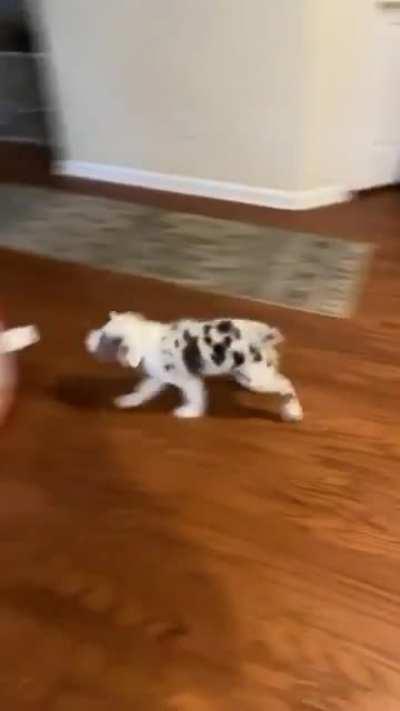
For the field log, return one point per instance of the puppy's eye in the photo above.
(116, 342)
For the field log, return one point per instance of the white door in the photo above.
(382, 152)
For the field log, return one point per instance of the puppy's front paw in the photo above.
(292, 411)
(188, 411)
(123, 402)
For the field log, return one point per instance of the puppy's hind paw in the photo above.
(292, 411)
(123, 402)
(188, 411)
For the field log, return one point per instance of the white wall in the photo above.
(338, 91)
(205, 88)
(270, 94)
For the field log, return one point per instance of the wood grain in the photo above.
(232, 563)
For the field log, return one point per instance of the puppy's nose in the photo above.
(108, 348)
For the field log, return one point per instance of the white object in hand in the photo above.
(15, 339)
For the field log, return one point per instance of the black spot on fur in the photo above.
(169, 367)
(176, 343)
(227, 341)
(238, 359)
(224, 326)
(229, 327)
(191, 354)
(208, 340)
(218, 354)
(206, 329)
(257, 357)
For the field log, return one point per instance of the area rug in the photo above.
(289, 269)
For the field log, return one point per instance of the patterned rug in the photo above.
(295, 270)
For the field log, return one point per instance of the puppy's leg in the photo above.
(264, 379)
(195, 400)
(145, 391)
(291, 409)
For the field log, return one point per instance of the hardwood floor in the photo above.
(231, 563)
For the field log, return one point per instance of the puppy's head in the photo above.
(120, 339)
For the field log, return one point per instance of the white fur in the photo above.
(15, 339)
(183, 353)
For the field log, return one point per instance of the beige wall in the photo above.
(204, 88)
(337, 91)
(267, 93)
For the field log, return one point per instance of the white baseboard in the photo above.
(235, 192)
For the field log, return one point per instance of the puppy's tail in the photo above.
(274, 337)
(269, 335)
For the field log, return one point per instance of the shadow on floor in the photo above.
(97, 393)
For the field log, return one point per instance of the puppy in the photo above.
(185, 352)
